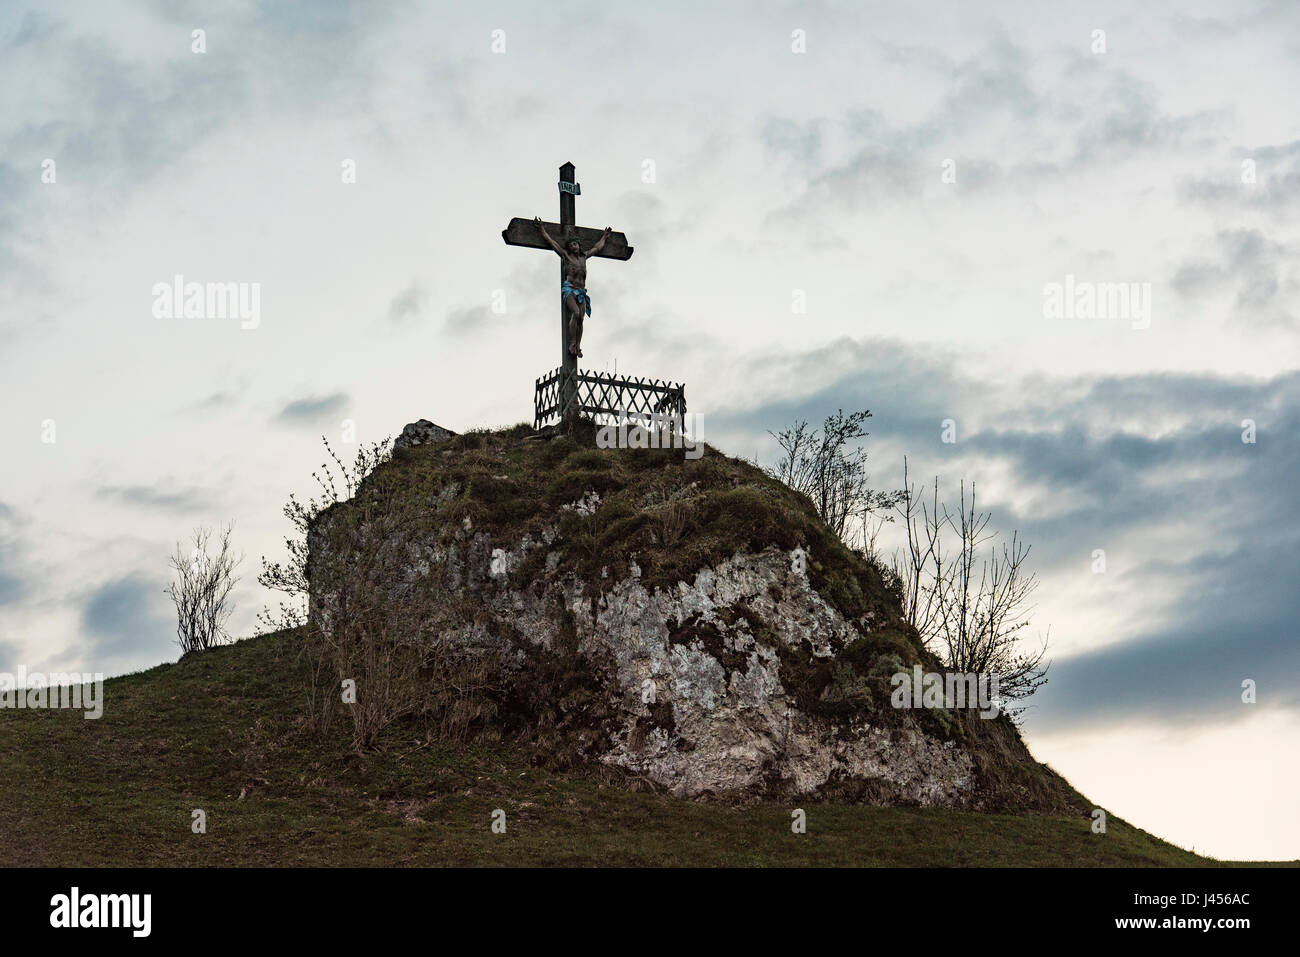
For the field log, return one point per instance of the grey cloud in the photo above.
(35, 27)
(892, 163)
(9, 656)
(914, 56)
(313, 409)
(801, 141)
(213, 401)
(1134, 122)
(12, 587)
(1251, 264)
(117, 140)
(1102, 116)
(408, 303)
(468, 321)
(1195, 277)
(655, 225)
(1204, 27)
(530, 288)
(126, 622)
(996, 80)
(1275, 192)
(153, 496)
(1282, 153)
(132, 119)
(1229, 625)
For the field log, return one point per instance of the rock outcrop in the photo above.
(689, 622)
(421, 432)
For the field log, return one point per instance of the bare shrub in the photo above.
(970, 604)
(201, 589)
(823, 465)
(290, 576)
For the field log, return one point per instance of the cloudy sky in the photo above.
(913, 175)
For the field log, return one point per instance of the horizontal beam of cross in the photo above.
(524, 232)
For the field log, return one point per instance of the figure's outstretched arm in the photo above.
(547, 236)
(600, 243)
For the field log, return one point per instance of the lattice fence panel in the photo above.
(607, 398)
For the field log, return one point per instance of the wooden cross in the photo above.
(524, 232)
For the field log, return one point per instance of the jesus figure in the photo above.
(573, 289)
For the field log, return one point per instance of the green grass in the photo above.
(199, 733)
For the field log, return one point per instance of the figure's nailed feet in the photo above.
(573, 350)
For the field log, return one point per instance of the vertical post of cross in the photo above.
(607, 244)
(568, 187)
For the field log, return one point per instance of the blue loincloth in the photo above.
(578, 292)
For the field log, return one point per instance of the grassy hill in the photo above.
(220, 732)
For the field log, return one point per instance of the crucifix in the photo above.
(574, 244)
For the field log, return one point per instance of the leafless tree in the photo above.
(969, 604)
(201, 589)
(822, 464)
